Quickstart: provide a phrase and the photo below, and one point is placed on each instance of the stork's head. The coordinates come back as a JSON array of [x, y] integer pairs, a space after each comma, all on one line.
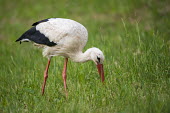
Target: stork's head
[[98, 58]]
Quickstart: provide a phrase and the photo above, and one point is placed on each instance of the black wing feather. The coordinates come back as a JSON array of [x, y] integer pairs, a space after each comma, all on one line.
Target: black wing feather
[[37, 37], [36, 23]]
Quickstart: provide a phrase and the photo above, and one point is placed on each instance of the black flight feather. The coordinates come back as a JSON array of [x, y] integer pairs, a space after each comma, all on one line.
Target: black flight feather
[[36, 23], [37, 37]]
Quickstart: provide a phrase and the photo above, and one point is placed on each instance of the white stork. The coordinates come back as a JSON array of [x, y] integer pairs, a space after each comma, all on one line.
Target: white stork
[[63, 37]]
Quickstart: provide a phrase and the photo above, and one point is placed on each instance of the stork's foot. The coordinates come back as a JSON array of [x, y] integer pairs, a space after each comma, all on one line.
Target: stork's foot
[[66, 94]]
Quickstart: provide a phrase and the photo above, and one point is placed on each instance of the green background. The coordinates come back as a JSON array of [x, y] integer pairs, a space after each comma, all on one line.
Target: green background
[[133, 35]]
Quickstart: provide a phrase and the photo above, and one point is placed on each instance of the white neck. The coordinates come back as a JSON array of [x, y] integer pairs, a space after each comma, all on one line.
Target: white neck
[[82, 57]]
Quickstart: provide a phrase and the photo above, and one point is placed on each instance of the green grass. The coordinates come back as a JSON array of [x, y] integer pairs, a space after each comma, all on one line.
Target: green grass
[[134, 36]]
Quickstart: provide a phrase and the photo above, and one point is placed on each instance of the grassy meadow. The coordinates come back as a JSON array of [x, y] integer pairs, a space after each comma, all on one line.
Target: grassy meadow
[[134, 36]]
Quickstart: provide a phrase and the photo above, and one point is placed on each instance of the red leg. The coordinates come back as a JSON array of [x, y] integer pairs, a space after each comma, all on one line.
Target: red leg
[[45, 76], [65, 75]]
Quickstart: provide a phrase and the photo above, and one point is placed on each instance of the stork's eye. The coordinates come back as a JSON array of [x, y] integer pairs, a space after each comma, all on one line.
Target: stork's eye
[[98, 58]]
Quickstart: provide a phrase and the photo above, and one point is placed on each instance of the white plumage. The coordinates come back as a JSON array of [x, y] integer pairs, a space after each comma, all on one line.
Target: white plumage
[[70, 36], [63, 37]]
